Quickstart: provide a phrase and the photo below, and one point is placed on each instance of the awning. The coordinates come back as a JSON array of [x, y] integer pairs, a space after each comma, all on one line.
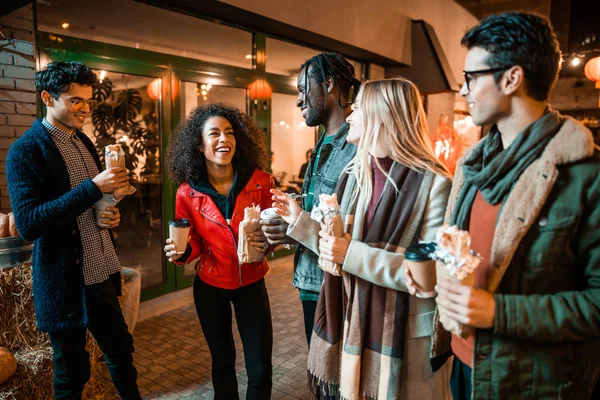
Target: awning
[[430, 70]]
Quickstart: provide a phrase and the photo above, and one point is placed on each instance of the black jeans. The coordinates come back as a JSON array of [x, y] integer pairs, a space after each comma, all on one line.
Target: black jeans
[[310, 308], [253, 316], [460, 380], [106, 323]]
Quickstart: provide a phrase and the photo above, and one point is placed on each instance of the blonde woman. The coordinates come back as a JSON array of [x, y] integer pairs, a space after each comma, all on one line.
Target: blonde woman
[[372, 336]]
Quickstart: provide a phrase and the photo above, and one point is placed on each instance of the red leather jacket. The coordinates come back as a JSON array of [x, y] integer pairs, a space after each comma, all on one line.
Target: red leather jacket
[[214, 242]]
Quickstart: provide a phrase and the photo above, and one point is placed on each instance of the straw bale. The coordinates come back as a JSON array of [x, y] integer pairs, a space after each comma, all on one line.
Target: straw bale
[[31, 348]]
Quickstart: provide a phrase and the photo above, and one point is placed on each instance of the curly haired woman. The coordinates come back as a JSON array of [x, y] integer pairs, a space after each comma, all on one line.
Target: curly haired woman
[[217, 155]]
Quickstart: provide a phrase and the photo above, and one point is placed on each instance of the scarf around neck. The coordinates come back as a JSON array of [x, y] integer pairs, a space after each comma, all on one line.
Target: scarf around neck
[[360, 327], [493, 170]]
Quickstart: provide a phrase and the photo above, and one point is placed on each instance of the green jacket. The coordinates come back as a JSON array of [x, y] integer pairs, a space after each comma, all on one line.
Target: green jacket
[[545, 276]]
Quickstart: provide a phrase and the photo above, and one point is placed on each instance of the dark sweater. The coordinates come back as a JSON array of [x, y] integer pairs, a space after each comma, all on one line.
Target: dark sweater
[[46, 210]]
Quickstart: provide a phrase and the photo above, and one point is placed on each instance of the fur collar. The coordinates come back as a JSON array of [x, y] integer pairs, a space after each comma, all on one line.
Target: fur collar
[[572, 143]]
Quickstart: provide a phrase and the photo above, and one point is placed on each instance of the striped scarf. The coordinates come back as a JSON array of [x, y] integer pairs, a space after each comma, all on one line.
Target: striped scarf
[[358, 341]]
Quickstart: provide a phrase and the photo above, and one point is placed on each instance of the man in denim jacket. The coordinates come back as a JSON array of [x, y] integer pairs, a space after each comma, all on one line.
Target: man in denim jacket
[[326, 89]]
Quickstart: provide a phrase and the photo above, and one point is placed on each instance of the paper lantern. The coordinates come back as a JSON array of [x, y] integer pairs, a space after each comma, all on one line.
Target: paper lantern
[[154, 89], [592, 69], [260, 89]]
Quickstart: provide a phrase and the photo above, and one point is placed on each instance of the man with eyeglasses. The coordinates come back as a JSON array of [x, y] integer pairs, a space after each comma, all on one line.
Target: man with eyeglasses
[[529, 195], [54, 179]]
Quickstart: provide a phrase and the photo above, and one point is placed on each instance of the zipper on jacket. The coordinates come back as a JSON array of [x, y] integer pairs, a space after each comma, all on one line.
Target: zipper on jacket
[[203, 262], [211, 260], [234, 242]]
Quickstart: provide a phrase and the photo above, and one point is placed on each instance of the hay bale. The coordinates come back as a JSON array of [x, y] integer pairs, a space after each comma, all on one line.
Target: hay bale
[[31, 348]]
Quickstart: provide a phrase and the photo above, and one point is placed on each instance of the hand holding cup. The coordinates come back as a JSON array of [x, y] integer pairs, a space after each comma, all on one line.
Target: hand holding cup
[[419, 270], [105, 212], [179, 237], [170, 250], [110, 218]]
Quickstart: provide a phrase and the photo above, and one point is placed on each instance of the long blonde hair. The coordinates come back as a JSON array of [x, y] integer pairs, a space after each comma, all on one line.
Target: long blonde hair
[[392, 111]]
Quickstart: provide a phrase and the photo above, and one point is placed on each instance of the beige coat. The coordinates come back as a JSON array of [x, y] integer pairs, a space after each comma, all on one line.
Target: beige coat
[[383, 268]]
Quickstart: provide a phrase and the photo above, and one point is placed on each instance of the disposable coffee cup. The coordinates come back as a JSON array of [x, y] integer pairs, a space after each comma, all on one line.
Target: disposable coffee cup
[[107, 201], [269, 214], [179, 231], [422, 268]]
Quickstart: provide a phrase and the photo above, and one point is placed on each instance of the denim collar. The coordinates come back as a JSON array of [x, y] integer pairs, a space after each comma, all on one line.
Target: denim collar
[[339, 141]]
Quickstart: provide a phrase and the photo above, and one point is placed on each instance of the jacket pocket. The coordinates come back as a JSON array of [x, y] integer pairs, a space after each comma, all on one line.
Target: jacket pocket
[[554, 369], [551, 236], [207, 261], [559, 217]]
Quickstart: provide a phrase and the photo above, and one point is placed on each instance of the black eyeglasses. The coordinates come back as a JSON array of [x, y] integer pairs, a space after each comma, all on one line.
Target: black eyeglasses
[[469, 74]]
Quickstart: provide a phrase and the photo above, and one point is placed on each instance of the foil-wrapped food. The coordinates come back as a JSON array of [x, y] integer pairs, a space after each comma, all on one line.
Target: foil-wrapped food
[[329, 215], [457, 262], [454, 250]]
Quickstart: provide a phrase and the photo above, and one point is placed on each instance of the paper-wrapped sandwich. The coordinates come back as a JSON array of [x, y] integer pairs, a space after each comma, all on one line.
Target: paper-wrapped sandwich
[[457, 263], [115, 157], [250, 224], [329, 215]]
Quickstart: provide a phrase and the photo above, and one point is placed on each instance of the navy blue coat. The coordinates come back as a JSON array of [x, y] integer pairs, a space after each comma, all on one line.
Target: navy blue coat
[[46, 211]]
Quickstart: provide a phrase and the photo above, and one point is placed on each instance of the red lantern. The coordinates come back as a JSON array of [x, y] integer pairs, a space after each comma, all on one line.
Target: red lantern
[[260, 89], [154, 89], [592, 69]]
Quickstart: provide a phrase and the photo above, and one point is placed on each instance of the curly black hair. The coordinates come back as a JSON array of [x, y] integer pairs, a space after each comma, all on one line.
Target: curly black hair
[[516, 38], [185, 161], [57, 77]]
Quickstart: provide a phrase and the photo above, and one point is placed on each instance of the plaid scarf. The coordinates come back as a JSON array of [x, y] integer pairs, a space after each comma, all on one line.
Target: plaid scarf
[[358, 341]]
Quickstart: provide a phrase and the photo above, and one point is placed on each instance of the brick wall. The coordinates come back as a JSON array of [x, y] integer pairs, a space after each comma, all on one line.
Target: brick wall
[[17, 90]]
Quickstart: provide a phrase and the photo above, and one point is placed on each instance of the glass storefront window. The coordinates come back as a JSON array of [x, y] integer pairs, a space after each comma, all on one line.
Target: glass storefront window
[[196, 94], [128, 114], [138, 25], [290, 140]]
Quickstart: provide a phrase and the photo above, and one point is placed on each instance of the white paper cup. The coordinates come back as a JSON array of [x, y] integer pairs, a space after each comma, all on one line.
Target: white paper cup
[[179, 231], [269, 214], [107, 201]]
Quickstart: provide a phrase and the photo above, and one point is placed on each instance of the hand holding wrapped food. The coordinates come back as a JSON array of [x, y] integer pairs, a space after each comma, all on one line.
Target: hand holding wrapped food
[[329, 215], [115, 157], [457, 263]]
